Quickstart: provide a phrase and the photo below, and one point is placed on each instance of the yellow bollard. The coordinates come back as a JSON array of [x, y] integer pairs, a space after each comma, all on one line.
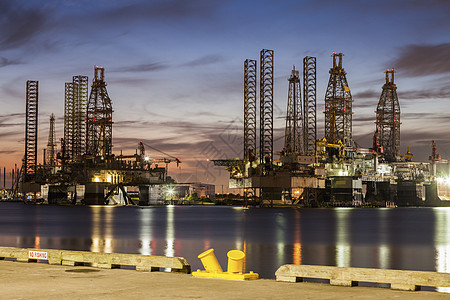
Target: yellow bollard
[[210, 262], [235, 266], [235, 261]]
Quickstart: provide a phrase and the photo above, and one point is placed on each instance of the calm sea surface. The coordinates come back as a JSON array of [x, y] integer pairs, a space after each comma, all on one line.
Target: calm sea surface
[[393, 238]]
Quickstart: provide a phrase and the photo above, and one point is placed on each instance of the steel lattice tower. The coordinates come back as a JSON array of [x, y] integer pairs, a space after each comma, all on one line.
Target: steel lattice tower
[[293, 133], [309, 106], [266, 109], [80, 97], [249, 110], [51, 145], [388, 118], [31, 129], [338, 105], [99, 117], [68, 119]]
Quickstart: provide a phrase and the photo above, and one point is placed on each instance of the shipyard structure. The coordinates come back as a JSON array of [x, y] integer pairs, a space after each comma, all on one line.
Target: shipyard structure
[[333, 170], [84, 169]]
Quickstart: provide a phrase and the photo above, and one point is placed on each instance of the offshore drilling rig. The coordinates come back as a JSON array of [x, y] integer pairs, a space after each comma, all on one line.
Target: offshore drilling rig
[[85, 170], [334, 170]]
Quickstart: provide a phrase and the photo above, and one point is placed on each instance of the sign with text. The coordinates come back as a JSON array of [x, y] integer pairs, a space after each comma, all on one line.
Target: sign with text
[[37, 255]]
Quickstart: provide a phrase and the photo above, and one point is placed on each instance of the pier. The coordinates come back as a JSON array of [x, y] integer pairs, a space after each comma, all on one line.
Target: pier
[[82, 274], [44, 281]]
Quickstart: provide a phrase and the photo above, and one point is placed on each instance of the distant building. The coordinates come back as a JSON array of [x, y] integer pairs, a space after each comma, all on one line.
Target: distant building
[[202, 189]]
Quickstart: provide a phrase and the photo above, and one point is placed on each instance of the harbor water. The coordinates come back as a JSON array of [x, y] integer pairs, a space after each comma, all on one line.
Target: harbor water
[[391, 238]]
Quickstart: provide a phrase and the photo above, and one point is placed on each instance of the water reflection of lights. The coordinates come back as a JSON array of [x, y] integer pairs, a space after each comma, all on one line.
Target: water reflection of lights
[[239, 208], [37, 239], [384, 251], [170, 232], [102, 220], [280, 237], [238, 245], [37, 242], [384, 254], [207, 245], [297, 254], [239, 229], [145, 231], [343, 249], [241, 244], [243, 248], [442, 242], [297, 251]]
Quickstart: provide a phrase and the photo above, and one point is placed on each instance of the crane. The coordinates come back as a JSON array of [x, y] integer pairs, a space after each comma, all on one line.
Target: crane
[[167, 160]]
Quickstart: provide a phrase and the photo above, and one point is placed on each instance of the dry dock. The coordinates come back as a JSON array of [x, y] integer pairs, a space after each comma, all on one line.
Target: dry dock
[[43, 281]]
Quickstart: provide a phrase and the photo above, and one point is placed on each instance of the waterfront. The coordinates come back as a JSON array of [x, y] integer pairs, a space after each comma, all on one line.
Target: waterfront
[[395, 238]]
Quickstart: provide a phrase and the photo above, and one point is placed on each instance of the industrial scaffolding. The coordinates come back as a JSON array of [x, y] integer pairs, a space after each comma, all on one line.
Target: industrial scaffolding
[[331, 171], [74, 177], [31, 129], [249, 110], [293, 130], [50, 157], [309, 106], [99, 117], [266, 110], [75, 110], [80, 96], [68, 120], [388, 118], [338, 105]]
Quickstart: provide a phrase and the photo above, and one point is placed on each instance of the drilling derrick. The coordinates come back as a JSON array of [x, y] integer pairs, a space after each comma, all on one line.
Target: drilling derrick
[[388, 118], [141, 148], [434, 158], [293, 136], [338, 105], [51, 145], [31, 129], [68, 119], [249, 110], [309, 106], [266, 110], [80, 96], [99, 117]]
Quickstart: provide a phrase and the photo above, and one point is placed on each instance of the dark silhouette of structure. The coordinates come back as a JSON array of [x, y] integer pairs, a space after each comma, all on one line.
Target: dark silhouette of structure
[[388, 119], [31, 129], [338, 105], [266, 110], [250, 110], [99, 117], [51, 145], [293, 131], [309, 106]]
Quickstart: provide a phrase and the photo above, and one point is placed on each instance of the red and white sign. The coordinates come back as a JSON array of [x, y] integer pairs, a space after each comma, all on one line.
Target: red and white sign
[[37, 255]]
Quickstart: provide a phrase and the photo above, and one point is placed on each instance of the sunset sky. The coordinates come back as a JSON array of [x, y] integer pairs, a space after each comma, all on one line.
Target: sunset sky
[[174, 69]]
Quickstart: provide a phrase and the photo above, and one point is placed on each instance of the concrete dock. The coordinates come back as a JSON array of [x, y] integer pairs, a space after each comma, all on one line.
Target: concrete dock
[[43, 281]]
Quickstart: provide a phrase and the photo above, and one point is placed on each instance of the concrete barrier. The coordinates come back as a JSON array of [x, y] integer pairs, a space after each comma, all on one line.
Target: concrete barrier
[[31, 255], [96, 259], [115, 260], [398, 279]]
